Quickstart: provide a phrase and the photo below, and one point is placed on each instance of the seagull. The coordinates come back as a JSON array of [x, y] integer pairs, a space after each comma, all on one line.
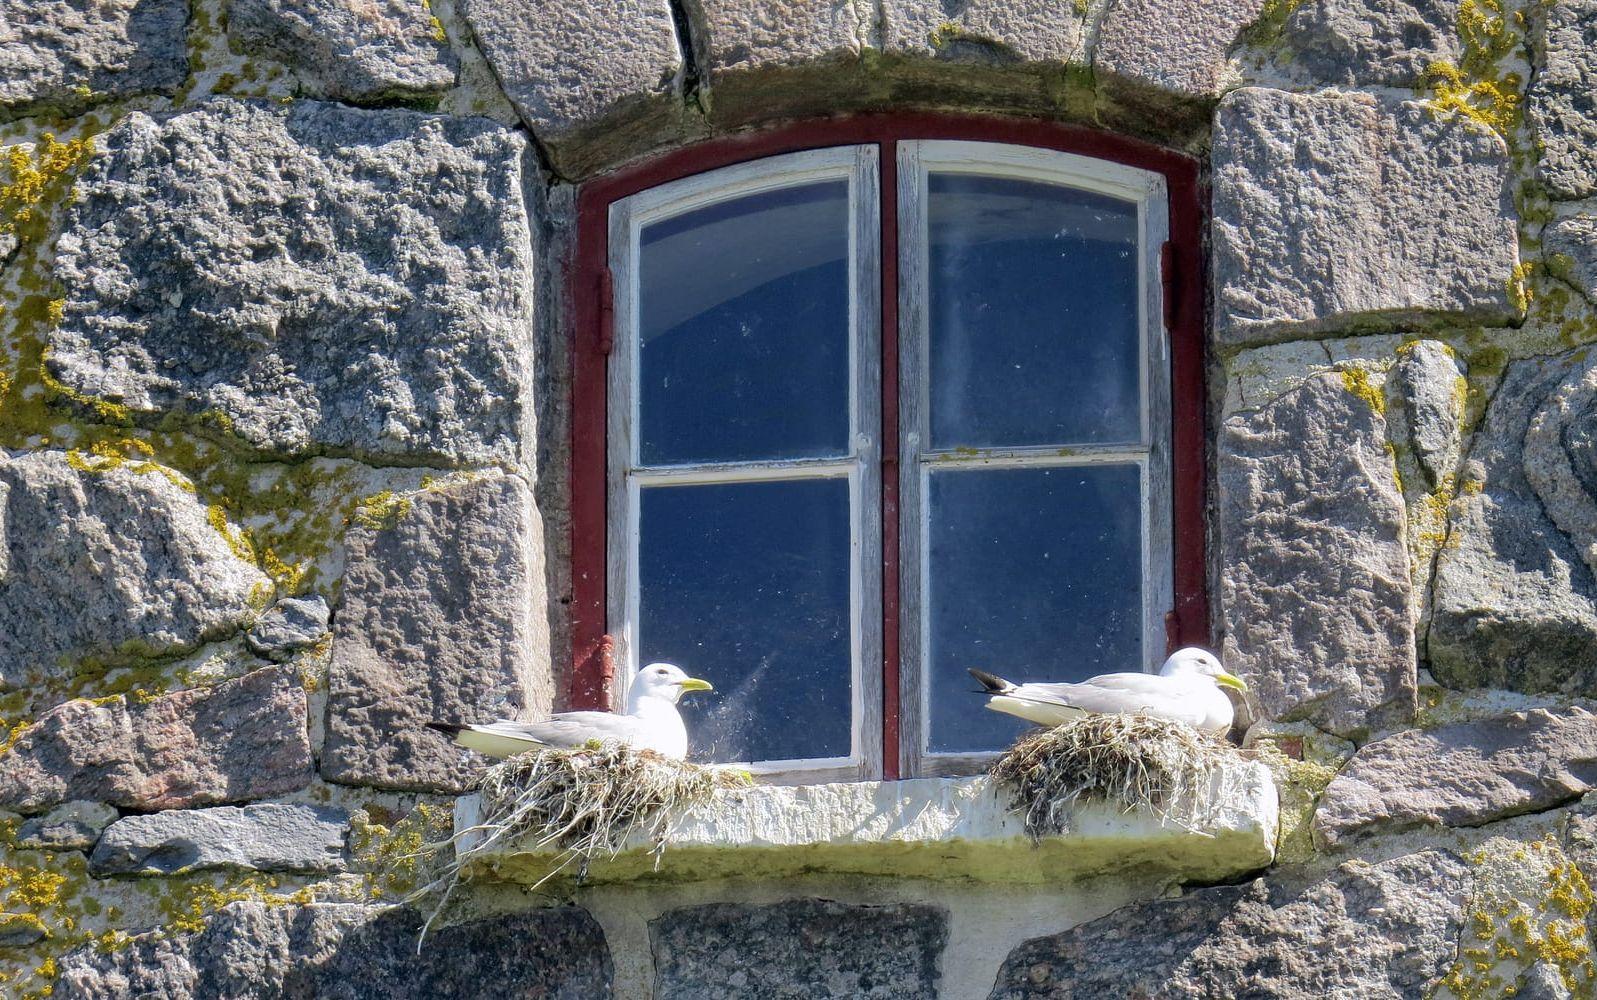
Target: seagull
[[651, 721], [1186, 689]]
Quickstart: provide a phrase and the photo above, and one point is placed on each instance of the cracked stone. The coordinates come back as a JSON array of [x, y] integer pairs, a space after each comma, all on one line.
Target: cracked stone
[[359, 51], [1308, 192], [267, 837], [1463, 775], [345, 951], [1315, 590], [108, 559], [242, 739], [1373, 932], [331, 279], [1515, 592], [815, 948], [290, 625], [60, 56], [443, 618], [1428, 384], [74, 826]]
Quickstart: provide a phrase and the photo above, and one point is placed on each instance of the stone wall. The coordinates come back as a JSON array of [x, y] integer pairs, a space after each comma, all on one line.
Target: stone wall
[[282, 474]]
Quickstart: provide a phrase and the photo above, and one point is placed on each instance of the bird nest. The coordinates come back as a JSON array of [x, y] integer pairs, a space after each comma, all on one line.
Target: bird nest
[[582, 805], [1128, 761]]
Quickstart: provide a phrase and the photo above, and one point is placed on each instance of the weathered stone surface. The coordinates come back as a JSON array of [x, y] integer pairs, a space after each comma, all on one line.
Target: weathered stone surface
[[754, 34], [1570, 248], [362, 51], [290, 625], [63, 55], [98, 561], [1334, 211], [1428, 388], [1559, 101], [74, 826], [802, 947], [986, 31], [582, 73], [1467, 774], [443, 618], [324, 278], [268, 837], [1515, 597], [1363, 42], [344, 951], [1365, 932], [1314, 583], [1174, 46], [242, 739]]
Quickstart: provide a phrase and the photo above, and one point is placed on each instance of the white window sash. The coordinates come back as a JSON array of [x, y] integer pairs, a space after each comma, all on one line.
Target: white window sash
[[626, 475], [1151, 454]]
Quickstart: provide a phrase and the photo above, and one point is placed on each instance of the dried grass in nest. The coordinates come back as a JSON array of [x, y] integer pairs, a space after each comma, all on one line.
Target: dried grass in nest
[[1130, 761], [583, 804]]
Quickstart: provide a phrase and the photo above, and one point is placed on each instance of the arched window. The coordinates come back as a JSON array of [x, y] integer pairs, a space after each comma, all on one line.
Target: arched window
[[859, 405]]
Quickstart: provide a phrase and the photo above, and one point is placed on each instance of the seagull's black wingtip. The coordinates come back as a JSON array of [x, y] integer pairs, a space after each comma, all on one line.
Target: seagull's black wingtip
[[447, 728], [991, 683]]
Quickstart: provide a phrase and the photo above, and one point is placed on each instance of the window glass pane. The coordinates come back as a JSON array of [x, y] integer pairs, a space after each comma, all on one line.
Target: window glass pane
[[744, 324], [747, 586], [1035, 575], [1033, 314]]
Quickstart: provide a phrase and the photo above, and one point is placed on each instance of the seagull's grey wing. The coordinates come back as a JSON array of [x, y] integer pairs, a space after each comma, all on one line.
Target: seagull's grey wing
[[574, 729], [1113, 693]]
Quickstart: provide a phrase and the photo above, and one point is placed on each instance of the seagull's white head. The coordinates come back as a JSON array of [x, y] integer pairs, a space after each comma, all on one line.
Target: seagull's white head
[[1193, 660], [663, 680]]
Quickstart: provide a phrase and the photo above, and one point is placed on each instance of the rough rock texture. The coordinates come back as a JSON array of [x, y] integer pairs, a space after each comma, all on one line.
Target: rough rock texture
[[1467, 774], [268, 837], [1365, 932], [581, 74], [344, 951], [74, 826], [1314, 582], [814, 948], [1427, 387], [93, 563], [1175, 46], [1558, 102], [986, 31], [753, 34], [1515, 595], [331, 278], [1570, 247], [443, 618], [63, 55], [242, 739], [1311, 192], [290, 625], [1382, 42], [360, 51]]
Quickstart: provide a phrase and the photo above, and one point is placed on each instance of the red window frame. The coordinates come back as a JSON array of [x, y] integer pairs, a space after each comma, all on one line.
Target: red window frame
[[592, 337]]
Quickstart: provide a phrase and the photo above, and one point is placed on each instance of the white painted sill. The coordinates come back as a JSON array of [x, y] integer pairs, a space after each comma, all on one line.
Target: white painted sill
[[928, 828]]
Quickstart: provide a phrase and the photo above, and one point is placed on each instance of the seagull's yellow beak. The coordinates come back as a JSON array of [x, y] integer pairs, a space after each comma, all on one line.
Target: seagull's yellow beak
[[1230, 680], [694, 684]]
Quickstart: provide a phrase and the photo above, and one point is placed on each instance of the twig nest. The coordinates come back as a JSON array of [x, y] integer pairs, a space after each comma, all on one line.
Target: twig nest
[[1128, 761], [580, 805]]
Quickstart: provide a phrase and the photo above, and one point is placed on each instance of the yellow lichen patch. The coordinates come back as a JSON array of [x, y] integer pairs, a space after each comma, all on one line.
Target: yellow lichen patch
[[1358, 382], [1476, 86], [1530, 905], [381, 510], [1520, 291], [31, 179], [390, 851]]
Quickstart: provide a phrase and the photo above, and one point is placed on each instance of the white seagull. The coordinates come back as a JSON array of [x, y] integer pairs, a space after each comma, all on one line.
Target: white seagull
[[651, 721], [1186, 689]]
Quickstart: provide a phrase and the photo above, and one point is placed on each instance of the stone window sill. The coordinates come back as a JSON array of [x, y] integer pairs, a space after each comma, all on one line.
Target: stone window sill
[[934, 828]]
